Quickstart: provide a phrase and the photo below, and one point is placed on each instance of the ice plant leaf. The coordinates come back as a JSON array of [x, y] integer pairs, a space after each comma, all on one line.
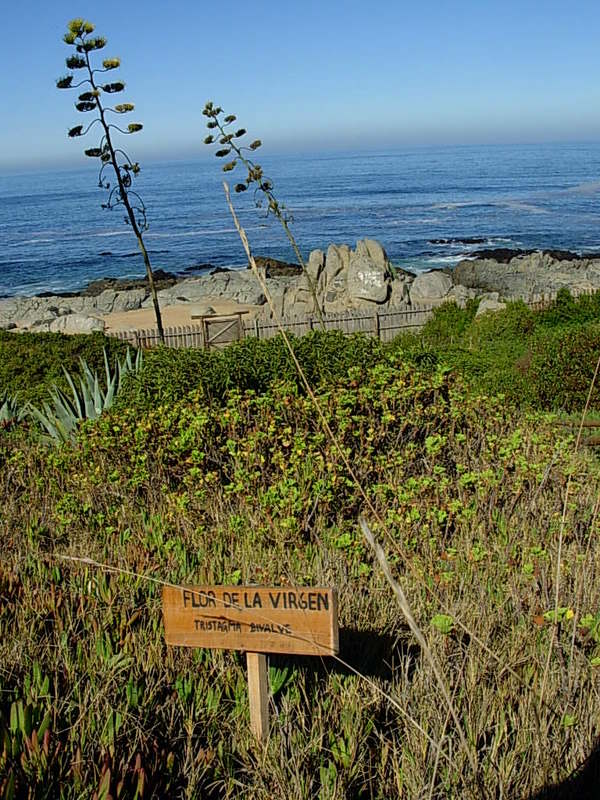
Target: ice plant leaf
[[443, 622]]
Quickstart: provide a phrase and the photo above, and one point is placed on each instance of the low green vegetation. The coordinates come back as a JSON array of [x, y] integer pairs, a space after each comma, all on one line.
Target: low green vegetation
[[537, 359], [31, 363], [214, 468], [169, 375]]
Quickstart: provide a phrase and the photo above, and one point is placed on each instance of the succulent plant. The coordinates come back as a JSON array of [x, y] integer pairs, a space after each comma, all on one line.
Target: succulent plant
[[228, 137], [11, 410], [88, 400], [120, 193]]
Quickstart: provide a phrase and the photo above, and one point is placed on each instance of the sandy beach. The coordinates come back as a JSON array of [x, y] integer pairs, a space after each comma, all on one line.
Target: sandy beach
[[174, 315]]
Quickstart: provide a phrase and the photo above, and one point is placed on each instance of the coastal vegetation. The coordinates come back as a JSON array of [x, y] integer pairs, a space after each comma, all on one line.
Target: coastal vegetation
[[440, 481], [79, 36], [212, 467]]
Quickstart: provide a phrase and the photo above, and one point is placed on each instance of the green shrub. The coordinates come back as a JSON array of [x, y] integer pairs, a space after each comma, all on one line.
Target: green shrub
[[168, 375], [560, 365], [30, 363], [567, 310], [544, 358], [449, 323]]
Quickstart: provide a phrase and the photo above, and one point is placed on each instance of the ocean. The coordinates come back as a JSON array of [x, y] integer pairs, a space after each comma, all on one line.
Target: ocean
[[426, 205]]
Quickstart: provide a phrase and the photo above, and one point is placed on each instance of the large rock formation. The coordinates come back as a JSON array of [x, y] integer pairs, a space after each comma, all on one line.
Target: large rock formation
[[430, 288], [343, 279], [514, 273]]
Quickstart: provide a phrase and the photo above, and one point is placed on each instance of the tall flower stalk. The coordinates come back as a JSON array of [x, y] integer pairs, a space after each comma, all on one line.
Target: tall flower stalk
[[112, 157], [223, 133]]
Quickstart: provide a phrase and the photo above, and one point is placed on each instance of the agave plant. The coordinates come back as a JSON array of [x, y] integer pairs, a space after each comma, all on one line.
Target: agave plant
[[11, 410], [113, 159], [60, 417]]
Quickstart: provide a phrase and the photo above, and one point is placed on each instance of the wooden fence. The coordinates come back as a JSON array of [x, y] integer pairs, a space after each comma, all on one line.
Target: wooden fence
[[219, 331]]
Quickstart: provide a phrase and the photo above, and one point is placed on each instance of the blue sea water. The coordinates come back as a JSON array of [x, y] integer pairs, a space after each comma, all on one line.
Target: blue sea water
[[54, 235]]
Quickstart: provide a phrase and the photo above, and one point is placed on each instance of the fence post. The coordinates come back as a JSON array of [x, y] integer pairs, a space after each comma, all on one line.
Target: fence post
[[376, 325]]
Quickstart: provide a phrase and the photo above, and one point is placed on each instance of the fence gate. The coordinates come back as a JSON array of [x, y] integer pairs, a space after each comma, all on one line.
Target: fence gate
[[219, 331]]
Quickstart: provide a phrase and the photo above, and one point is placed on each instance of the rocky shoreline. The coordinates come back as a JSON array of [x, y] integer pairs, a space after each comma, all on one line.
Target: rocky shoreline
[[345, 279]]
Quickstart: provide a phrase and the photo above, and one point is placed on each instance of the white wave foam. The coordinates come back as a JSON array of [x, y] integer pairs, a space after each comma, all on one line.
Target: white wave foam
[[518, 205], [590, 187], [452, 206], [415, 221], [446, 259]]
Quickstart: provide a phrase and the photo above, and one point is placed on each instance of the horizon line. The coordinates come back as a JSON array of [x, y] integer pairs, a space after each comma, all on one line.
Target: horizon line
[[68, 164]]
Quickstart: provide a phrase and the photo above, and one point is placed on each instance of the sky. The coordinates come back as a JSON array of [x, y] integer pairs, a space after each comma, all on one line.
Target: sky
[[308, 75]]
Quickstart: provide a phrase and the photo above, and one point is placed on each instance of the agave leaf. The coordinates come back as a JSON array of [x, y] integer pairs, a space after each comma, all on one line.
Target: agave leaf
[[111, 388], [76, 399], [11, 408], [98, 397], [66, 414], [106, 368], [88, 396], [45, 419]]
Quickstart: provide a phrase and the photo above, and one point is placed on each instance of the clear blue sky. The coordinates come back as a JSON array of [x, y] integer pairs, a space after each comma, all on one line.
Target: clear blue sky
[[303, 74]]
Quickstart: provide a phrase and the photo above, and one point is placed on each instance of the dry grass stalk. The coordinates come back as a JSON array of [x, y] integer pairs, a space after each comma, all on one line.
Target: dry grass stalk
[[378, 551], [418, 634], [562, 531]]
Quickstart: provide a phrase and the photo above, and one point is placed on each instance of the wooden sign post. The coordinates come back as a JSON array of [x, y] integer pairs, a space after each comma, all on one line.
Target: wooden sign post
[[258, 620]]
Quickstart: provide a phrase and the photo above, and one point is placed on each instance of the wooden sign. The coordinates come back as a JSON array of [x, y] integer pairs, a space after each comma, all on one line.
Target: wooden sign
[[258, 619]]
